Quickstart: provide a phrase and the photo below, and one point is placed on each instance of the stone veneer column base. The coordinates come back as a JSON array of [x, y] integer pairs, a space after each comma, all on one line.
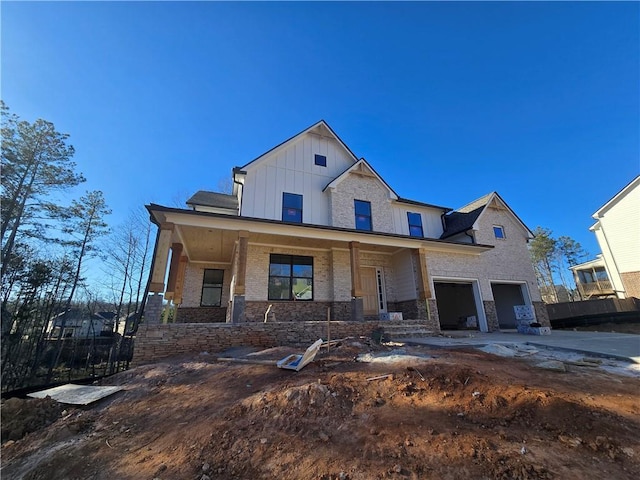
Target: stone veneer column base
[[492, 315], [357, 310], [542, 315], [433, 322], [153, 309], [237, 309]]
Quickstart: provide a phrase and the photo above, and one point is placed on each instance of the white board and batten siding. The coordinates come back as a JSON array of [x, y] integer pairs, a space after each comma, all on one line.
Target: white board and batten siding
[[431, 219], [404, 277], [621, 226], [292, 169]]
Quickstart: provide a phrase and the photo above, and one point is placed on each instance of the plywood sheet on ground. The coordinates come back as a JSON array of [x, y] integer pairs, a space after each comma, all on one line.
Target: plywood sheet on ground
[[76, 394]]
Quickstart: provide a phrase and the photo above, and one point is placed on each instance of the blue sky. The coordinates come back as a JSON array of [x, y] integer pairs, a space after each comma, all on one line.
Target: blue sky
[[448, 101]]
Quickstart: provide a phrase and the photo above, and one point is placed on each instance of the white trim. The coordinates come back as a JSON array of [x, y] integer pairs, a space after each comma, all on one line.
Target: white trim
[[477, 296], [495, 197], [618, 196], [381, 288], [334, 183], [526, 295]]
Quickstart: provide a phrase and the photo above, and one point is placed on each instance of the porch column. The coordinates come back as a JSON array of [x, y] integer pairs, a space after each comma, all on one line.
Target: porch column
[[357, 308], [161, 258], [427, 309], [176, 253], [424, 290], [182, 268], [239, 291]]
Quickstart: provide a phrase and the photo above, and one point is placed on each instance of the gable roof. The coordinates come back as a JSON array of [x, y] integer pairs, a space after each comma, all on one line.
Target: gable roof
[[214, 199], [361, 167], [321, 125], [617, 197], [465, 218]]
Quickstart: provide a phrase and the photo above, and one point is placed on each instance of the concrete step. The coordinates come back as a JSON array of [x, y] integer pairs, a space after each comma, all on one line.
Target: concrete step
[[395, 331]]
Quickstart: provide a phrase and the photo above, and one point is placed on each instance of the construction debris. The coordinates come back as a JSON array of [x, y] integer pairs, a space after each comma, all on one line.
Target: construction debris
[[76, 394]]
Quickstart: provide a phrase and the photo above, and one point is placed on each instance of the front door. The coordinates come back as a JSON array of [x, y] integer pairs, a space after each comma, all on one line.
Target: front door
[[373, 298], [370, 290]]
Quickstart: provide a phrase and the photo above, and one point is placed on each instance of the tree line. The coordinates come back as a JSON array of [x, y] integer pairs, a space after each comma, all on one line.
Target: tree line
[[46, 245], [552, 259]]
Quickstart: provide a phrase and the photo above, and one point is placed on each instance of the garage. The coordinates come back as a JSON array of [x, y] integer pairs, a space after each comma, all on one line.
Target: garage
[[456, 305], [506, 296]]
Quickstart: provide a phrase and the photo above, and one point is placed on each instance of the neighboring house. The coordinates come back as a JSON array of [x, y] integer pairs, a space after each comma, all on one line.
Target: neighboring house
[[592, 280], [78, 324], [617, 230], [310, 228]]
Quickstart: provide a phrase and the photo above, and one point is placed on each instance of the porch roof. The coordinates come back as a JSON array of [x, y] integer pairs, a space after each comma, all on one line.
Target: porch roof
[[211, 236]]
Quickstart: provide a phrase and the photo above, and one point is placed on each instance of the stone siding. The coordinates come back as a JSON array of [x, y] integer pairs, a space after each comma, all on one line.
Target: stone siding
[[417, 309], [297, 311], [631, 282], [154, 342], [201, 315], [492, 315], [542, 314]]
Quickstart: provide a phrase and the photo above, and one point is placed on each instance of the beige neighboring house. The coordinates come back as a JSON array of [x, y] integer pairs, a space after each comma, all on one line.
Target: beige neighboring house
[[617, 230], [311, 228]]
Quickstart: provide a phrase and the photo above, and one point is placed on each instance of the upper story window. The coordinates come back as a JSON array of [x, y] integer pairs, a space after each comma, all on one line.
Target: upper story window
[[212, 288], [363, 215], [290, 277], [291, 207], [415, 224], [321, 160], [498, 231]]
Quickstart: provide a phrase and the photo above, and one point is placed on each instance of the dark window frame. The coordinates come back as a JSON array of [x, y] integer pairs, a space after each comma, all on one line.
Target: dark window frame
[[414, 225], [320, 160], [211, 286], [278, 272], [292, 202], [363, 215]]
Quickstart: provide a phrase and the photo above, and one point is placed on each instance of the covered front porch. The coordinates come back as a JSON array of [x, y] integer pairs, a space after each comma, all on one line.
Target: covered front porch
[[220, 268]]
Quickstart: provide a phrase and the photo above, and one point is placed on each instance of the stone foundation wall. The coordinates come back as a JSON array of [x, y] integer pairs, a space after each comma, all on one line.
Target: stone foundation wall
[[631, 282], [492, 315], [153, 342], [201, 315], [296, 311]]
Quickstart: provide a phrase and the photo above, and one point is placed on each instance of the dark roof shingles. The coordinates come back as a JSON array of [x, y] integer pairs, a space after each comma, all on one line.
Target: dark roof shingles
[[213, 199]]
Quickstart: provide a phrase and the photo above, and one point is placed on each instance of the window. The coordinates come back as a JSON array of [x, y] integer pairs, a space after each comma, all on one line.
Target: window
[[212, 288], [320, 160], [363, 215], [498, 231], [415, 224], [291, 207], [290, 277]]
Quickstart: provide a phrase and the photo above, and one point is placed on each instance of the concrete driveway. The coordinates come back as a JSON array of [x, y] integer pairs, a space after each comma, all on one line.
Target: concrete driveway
[[621, 346]]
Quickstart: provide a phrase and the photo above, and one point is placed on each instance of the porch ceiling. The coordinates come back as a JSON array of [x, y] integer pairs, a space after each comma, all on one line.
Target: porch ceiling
[[207, 244], [215, 245]]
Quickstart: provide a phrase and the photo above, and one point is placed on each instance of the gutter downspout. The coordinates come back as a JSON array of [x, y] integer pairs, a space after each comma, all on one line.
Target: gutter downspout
[[241, 186]]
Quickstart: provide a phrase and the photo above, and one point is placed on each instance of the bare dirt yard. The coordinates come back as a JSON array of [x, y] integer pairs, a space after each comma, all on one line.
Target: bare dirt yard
[[432, 414]]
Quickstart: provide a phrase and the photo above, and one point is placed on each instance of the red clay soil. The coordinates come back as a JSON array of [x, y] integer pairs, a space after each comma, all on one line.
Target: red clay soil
[[461, 414]]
